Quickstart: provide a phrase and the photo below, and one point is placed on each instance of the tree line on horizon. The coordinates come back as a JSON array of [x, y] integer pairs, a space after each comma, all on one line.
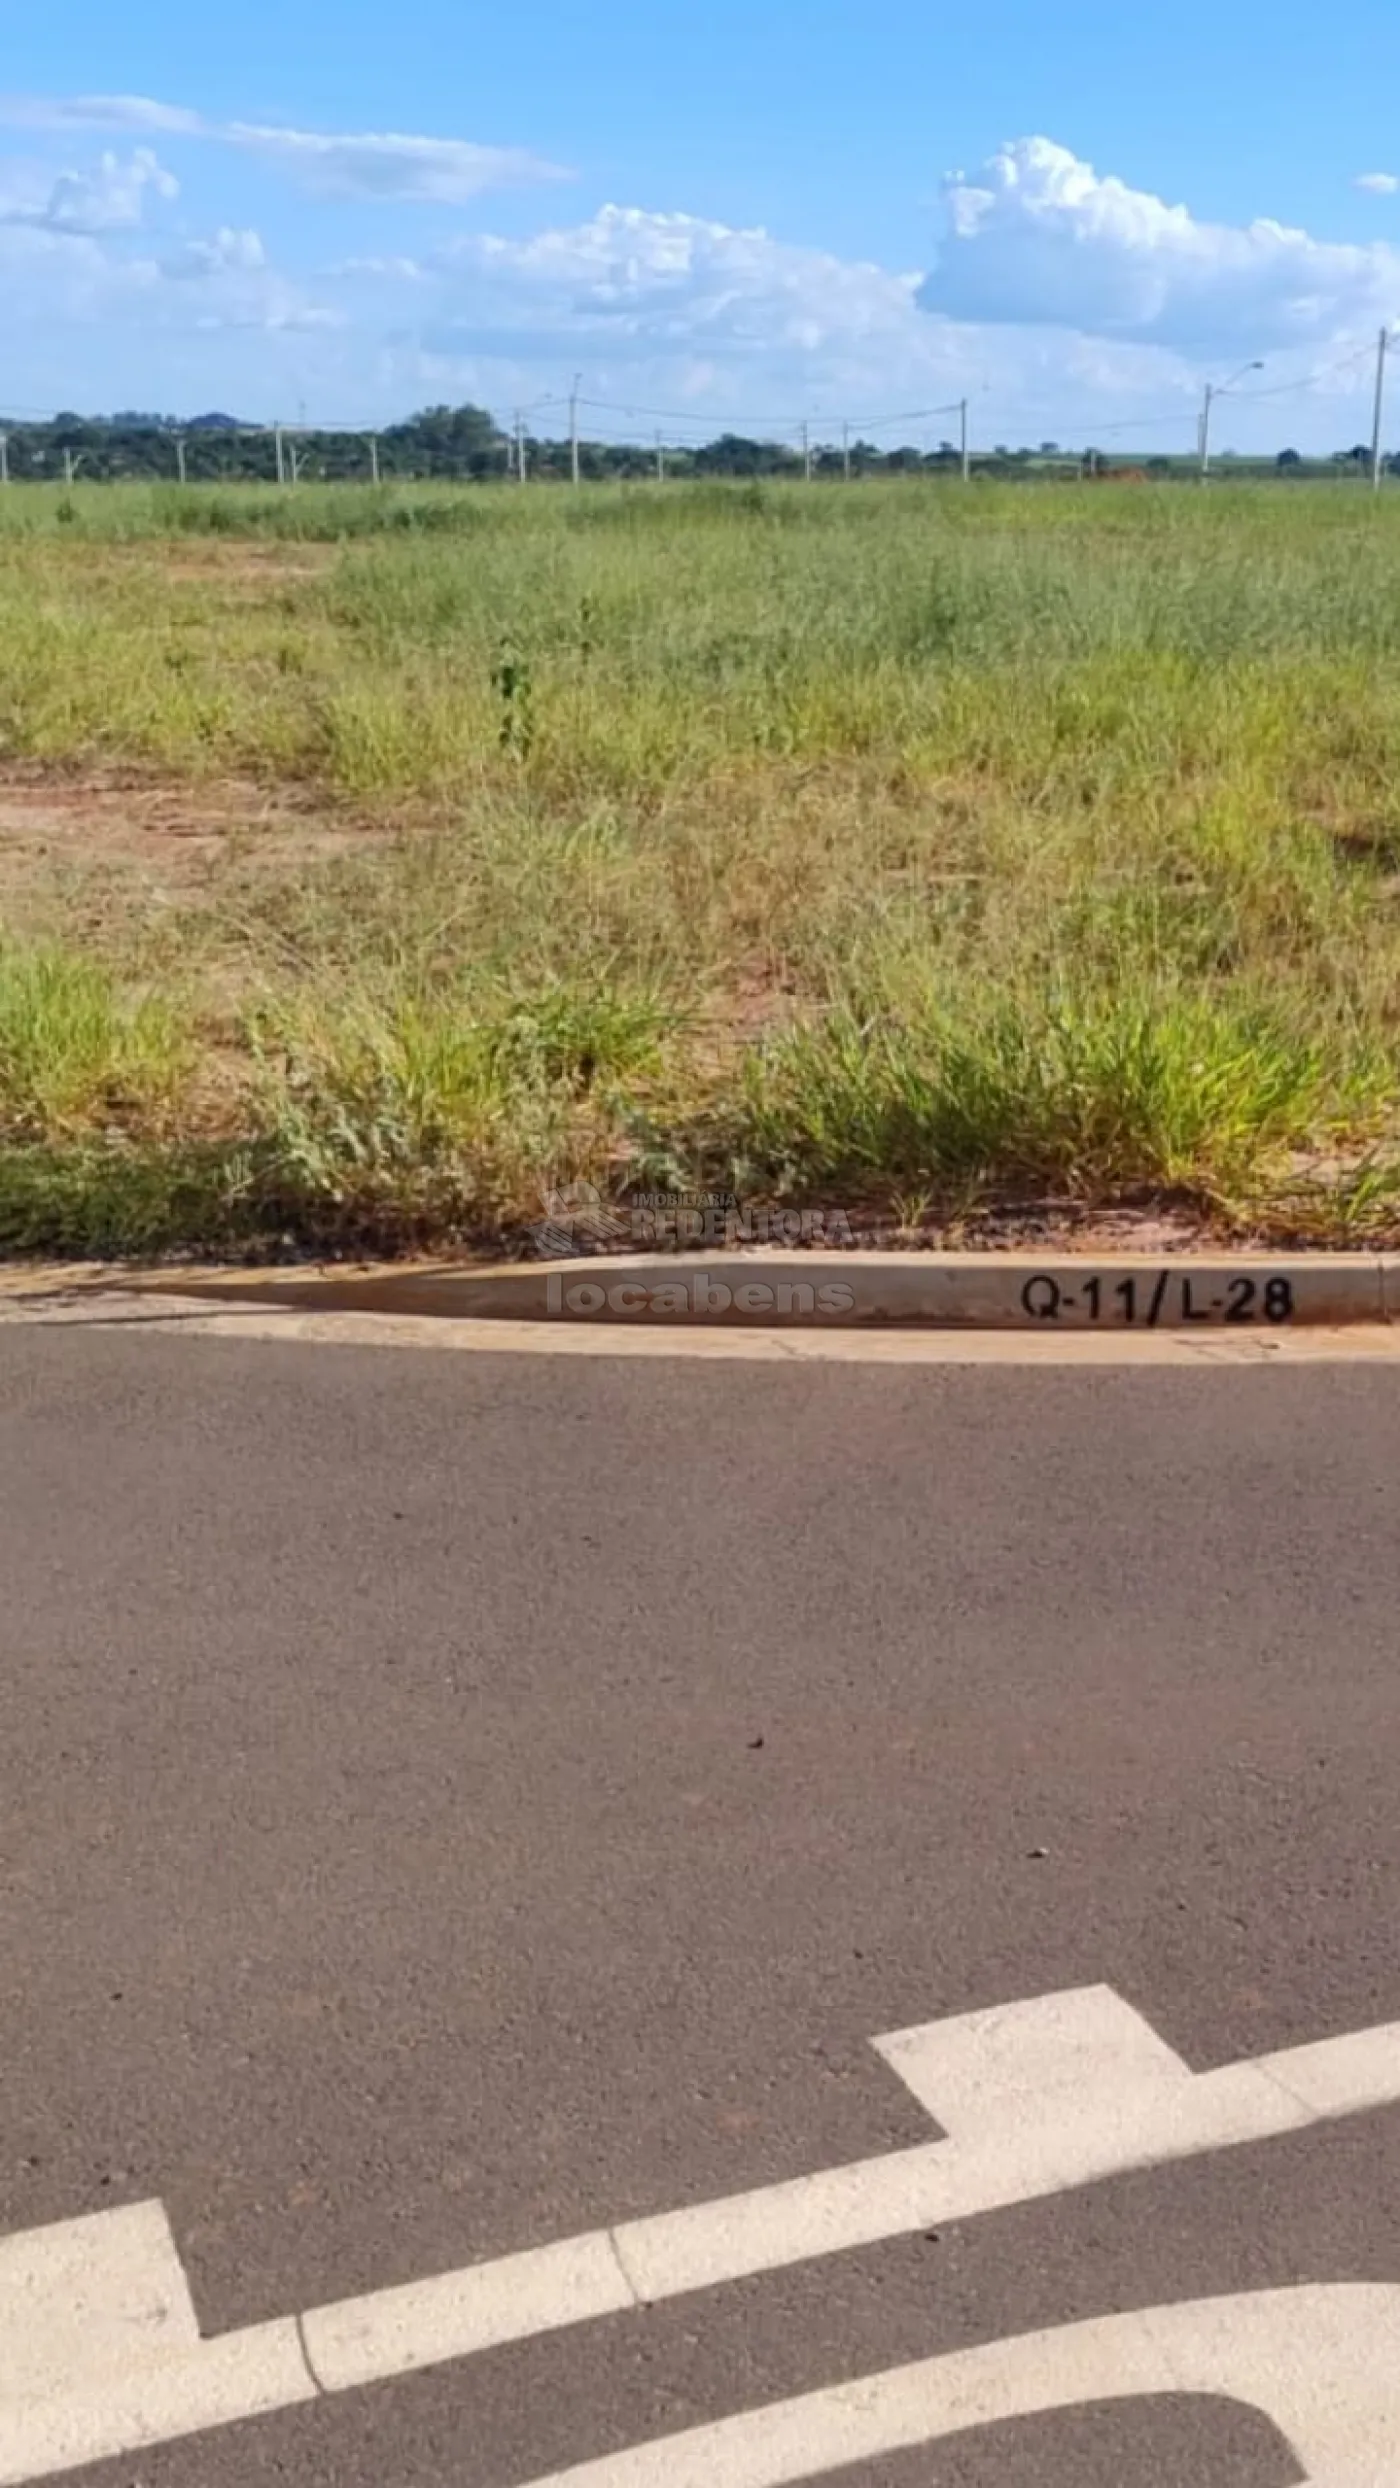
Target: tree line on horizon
[[466, 444]]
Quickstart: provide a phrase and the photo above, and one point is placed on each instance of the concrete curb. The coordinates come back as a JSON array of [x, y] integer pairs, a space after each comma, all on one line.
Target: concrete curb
[[845, 1290]]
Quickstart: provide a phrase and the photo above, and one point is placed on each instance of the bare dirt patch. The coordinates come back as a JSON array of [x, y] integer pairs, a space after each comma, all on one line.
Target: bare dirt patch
[[251, 565], [56, 828]]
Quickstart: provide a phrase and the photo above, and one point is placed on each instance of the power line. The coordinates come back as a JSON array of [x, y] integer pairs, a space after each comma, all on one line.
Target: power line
[[1292, 388], [1141, 423], [785, 422], [917, 414], [815, 439]]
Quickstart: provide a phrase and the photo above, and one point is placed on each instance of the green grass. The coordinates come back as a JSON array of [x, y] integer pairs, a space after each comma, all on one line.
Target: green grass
[[884, 843]]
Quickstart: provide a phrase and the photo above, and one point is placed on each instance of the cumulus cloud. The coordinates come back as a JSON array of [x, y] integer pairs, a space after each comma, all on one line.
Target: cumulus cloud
[[1383, 184], [96, 320], [231, 247], [112, 195], [629, 278], [1060, 302], [365, 165], [60, 280], [226, 280], [727, 325], [1040, 236], [57, 286]]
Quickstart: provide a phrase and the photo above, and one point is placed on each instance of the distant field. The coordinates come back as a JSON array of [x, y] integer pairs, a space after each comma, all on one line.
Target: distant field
[[370, 861]]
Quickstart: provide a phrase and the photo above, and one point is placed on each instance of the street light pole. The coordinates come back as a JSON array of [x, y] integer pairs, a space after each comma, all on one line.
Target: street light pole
[[1381, 353], [1212, 393]]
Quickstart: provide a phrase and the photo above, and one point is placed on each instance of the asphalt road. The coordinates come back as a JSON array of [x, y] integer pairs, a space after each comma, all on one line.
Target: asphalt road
[[450, 1803]]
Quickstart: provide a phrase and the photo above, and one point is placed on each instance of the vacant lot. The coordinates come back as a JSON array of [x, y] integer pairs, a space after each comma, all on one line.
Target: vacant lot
[[369, 862]]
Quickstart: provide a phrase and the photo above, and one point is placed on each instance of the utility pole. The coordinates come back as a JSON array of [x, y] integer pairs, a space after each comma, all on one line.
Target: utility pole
[[846, 451], [4, 457], [294, 462], [1381, 352], [660, 461], [68, 468], [1212, 393], [966, 460], [519, 447], [806, 453], [180, 457], [1203, 431], [374, 458], [573, 430], [281, 460]]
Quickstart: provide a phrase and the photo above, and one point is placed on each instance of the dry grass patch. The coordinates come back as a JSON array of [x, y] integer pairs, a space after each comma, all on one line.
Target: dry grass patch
[[912, 845]]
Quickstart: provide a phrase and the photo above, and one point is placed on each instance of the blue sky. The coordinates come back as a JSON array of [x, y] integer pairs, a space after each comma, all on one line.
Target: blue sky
[[818, 212]]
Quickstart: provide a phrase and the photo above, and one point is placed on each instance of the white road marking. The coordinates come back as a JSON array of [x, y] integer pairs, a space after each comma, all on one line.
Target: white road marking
[[1322, 2364], [86, 2294], [1034, 2098], [987, 2070], [425, 2322], [100, 2348], [99, 2345], [1335, 2077]]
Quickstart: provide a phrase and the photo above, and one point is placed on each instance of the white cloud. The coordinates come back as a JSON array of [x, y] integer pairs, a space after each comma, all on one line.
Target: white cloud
[[110, 195], [231, 247], [365, 165], [1383, 184], [97, 318], [226, 281], [100, 112], [1041, 236], [276, 316], [445, 171], [56, 284], [729, 325], [1060, 303], [25, 191], [393, 268], [631, 280], [114, 194], [93, 323]]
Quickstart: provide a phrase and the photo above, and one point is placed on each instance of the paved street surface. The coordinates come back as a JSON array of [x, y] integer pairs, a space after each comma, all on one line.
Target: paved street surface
[[454, 1804]]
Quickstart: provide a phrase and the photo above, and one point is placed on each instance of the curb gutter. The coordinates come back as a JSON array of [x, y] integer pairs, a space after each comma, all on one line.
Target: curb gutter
[[842, 1291]]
